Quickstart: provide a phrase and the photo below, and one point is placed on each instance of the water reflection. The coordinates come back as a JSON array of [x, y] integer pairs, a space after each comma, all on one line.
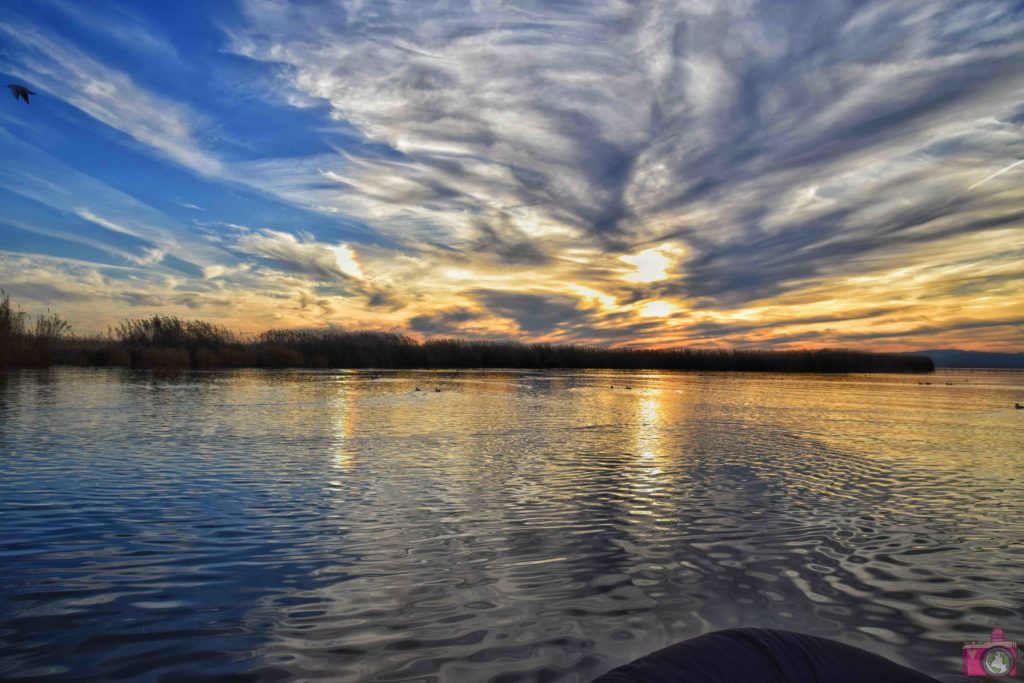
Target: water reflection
[[344, 424], [521, 525]]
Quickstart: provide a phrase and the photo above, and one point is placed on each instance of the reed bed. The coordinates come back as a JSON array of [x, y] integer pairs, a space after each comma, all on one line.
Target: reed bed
[[162, 342]]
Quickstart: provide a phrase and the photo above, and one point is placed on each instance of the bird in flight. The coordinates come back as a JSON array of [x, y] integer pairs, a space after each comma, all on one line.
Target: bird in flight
[[20, 91]]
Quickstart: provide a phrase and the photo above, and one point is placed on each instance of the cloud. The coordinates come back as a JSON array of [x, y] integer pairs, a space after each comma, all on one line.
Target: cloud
[[335, 269], [109, 225], [670, 172], [534, 314], [449, 322], [48, 197], [120, 25], [308, 256], [94, 296], [727, 127], [508, 246], [472, 128], [59, 70], [1005, 169]]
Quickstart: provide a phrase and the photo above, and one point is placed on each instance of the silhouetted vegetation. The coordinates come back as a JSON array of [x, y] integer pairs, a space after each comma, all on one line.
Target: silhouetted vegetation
[[26, 342], [168, 342]]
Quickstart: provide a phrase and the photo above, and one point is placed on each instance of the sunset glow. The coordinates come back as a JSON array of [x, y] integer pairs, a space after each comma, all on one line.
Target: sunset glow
[[651, 265], [775, 179]]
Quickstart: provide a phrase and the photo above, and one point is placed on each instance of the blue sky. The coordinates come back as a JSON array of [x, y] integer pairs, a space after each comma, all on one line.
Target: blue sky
[[691, 172]]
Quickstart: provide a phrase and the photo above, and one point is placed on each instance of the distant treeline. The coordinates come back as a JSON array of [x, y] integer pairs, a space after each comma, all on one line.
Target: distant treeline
[[168, 342]]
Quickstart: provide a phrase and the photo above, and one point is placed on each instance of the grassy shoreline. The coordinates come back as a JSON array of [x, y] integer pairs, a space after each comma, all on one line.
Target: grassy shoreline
[[171, 343]]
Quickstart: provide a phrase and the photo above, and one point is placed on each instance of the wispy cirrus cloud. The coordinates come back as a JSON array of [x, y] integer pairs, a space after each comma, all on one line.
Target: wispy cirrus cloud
[[695, 172], [107, 94], [728, 127]]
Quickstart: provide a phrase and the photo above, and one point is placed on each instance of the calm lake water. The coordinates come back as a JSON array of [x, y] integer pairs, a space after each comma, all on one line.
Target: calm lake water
[[516, 526]]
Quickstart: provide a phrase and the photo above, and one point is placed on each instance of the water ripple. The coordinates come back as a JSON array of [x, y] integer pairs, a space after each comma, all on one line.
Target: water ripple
[[516, 526]]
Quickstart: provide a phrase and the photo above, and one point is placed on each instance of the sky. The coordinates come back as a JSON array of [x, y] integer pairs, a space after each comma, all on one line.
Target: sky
[[703, 173]]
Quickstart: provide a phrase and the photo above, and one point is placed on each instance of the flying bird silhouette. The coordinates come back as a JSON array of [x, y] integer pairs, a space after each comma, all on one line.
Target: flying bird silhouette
[[20, 91]]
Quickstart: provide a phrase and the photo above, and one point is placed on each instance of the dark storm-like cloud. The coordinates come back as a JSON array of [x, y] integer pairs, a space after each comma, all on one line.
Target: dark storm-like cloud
[[507, 247], [535, 314], [444, 322]]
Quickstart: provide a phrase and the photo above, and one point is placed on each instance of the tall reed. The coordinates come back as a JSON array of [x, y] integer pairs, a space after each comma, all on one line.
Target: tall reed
[[24, 344]]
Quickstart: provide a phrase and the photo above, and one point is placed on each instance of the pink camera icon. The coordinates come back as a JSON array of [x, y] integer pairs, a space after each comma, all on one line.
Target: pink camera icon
[[996, 658]]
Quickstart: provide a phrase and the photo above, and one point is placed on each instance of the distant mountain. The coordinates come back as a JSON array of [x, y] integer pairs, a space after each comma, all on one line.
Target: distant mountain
[[955, 358]]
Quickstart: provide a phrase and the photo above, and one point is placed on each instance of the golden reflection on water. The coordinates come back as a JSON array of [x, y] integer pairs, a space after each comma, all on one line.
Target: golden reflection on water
[[514, 523], [647, 425], [345, 423], [649, 451]]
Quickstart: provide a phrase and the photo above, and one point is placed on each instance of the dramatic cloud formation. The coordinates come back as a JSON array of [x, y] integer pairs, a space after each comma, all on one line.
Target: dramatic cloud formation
[[702, 172]]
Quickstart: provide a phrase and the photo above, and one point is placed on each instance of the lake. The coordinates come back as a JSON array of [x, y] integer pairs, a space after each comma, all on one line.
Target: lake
[[515, 526]]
